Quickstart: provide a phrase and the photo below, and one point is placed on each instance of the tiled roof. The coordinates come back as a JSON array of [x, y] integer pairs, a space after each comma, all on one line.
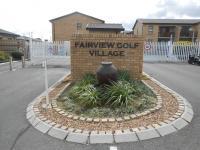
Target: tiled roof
[[76, 12], [7, 32], [167, 21], [105, 26], [171, 21]]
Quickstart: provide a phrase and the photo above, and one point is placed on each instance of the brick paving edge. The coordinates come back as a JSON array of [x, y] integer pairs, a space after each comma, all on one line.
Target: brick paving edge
[[171, 125]]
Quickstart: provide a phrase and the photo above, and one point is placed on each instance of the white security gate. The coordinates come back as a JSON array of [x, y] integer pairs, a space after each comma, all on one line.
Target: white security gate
[[56, 53], [170, 51]]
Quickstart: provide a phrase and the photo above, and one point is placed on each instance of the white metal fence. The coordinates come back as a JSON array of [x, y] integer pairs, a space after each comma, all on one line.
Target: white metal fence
[[170, 51], [56, 53]]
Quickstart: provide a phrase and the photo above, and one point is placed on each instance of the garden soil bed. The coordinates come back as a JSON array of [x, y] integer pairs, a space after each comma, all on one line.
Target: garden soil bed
[[169, 108]]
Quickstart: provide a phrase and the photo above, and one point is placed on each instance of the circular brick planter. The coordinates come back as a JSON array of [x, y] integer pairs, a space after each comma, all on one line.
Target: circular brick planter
[[119, 119], [179, 120]]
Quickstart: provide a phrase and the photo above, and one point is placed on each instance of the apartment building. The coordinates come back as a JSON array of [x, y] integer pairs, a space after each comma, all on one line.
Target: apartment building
[[6, 35], [166, 29], [63, 27]]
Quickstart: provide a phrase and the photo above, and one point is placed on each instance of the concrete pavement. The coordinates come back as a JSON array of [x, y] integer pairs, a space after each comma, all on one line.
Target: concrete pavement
[[19, 88]]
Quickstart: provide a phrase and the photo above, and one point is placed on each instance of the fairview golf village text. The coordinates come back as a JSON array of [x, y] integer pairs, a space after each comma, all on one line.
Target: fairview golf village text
[[107, 45]]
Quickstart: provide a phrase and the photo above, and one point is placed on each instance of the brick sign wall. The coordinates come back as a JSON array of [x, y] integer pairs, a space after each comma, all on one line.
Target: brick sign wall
[[89, 50]]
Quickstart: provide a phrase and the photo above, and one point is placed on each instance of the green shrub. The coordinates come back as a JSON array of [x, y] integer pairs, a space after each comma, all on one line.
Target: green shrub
[[90, 97], [120, 93], [85, 95], [123, 97], [17, 55], [3, 56], [123, 75], [89, 78], [76, 90]]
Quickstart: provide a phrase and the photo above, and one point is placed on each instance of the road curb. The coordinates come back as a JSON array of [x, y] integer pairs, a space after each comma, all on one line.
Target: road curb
[[181, 119], [8, 63]]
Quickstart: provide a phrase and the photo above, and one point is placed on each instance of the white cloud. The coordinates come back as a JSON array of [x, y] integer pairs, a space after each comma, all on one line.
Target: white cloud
[[177, 9], [25, 16]]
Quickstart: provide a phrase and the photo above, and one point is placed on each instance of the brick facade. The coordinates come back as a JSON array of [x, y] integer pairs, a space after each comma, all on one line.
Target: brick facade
[[153, 35], [83, 59], [63, 27], [141, 28]]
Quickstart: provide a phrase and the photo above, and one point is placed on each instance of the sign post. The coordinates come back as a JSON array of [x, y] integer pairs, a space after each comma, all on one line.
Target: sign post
[[23, 62], [47, 105], [11, 63]]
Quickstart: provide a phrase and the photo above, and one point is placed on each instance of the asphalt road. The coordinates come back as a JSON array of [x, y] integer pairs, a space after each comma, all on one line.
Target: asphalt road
[[19, 88], [5, 67]]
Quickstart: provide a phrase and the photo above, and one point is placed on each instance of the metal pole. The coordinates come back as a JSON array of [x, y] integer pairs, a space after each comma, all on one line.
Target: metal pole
[[11, 63], [48, 105], [31, 46], [170, 47], [23, 62]]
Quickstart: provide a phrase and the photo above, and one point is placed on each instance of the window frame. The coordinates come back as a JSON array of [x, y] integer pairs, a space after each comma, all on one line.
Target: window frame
[[150, 29], [79, 26]]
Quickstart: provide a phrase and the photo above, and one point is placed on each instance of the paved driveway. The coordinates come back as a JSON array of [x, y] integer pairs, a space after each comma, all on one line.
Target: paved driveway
[[18, 88]]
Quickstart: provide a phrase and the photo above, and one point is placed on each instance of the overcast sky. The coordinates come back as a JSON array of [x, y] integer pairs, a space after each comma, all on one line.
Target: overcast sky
[[25, 16]]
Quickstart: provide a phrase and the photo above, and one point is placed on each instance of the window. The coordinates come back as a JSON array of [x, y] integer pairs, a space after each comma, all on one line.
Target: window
[[150, 29], [79, 26], [165, 33], [187, 33]]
